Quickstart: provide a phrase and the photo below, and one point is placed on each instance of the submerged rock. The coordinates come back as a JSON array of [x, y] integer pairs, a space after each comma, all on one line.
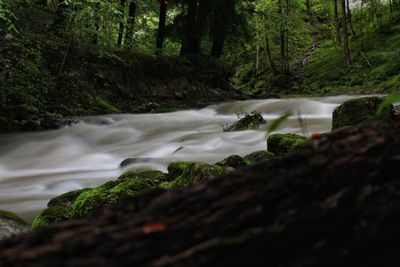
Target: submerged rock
[[11, 224], [248, 122], [130, 161], [283, 143], [257, 157], [355, 111]]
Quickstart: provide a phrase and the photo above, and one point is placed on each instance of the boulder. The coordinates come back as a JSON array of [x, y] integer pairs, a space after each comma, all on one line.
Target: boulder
[[280, 144], [257, 157], [250, 121], [11, 225], [77, 204], [184, 173], [360, 110], [233, 161]]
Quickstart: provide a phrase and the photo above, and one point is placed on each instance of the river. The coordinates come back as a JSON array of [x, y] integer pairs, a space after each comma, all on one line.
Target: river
[[34, 167]]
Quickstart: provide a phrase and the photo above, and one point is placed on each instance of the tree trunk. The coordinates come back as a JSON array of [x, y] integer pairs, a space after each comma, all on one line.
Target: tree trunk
[[346, 49], [161, 26], [95, 34], [282, 38], [121, 24], [349, 16], [269, 55], [218, 32], [191, 40], [337, 24], [131, 25]]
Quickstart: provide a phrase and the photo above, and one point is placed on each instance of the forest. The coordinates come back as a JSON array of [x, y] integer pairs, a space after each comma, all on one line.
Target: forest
[[199, 133]]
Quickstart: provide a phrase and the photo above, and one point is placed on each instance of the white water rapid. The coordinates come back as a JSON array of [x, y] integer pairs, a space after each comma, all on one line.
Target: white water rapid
[[34, 167]]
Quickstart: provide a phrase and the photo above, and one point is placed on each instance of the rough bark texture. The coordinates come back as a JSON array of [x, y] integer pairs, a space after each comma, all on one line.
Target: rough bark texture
[[335, 202]]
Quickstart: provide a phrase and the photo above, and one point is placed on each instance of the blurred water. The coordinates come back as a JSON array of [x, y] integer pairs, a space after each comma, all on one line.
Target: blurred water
[[34, 167]]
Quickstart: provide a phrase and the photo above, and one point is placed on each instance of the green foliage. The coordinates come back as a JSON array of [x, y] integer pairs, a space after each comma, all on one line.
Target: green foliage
[[388, 101], [7, 16], [105, 106]]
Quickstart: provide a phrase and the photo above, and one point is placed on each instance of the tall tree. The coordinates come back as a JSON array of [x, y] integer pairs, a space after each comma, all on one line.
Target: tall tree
[[192, 38], [130, 24], [161, 26], [121, 25], [337, 23], [223, 13], [346, 49]]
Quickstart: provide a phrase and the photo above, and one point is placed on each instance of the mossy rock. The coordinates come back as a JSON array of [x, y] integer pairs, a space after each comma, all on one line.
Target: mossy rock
[[156, 176], [257, 157], [283, 143], [66, 199], [360, 110], [12, 216], [175, 169], [53, 214], [233, 161], [79, 203], [199, 172], [11, 224], [250, 121]]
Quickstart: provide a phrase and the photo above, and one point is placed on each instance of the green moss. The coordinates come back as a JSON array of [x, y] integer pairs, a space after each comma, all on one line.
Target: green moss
[[156, 176], [175, 169], [79, 203], [12, 216], [199, 172], [233, 161], [54, 214], [283, 143], [100, 196], [257, 157], [355, 111]]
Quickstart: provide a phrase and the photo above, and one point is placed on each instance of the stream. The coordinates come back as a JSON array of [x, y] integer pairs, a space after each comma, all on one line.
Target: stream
[[35, 167]]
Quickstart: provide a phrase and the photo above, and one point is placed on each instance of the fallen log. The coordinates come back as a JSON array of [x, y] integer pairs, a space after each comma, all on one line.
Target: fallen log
[[334, 202]]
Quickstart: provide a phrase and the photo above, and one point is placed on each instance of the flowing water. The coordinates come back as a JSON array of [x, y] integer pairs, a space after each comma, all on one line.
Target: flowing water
[[34, 167]]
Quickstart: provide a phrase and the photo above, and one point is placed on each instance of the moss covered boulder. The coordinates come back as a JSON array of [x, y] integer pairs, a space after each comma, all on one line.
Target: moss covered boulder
[[11, 224], [355, 111], [234, 161], [77, 204], [189, 172], [250, 121], [257, 157], [280, 144]]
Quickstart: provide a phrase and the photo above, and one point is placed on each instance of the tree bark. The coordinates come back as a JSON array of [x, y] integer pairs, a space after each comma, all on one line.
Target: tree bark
[[191, 40], [346, 49], [337, 23], [282, 39], [121, 24], [130, 25], [269, 55], [161, 26]]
